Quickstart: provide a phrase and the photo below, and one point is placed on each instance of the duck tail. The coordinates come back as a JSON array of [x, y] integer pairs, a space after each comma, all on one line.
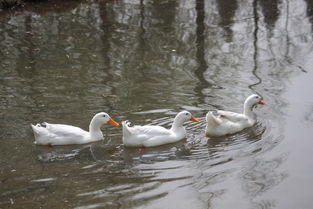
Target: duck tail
[[126, 128], [211, 119], [38, 130], [35, 128]]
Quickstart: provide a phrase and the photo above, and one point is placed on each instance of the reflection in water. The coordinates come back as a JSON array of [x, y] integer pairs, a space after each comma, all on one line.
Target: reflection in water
[[261, 176], [255, 43], [200, 47], [271, 13], [309, 10], [106, 32], [144, 61], [27, 69], [226, 10]]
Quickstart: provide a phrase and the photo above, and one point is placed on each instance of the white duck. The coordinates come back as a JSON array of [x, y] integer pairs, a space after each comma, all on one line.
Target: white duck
[[59, 134], [221, 123], [152, 135]]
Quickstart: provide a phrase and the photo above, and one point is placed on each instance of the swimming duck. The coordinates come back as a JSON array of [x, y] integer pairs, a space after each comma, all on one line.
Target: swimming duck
[[59, 134], [152, 135], [221, 123]]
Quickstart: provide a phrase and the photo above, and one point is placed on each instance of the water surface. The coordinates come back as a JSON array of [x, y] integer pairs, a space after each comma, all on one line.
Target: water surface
[[145, 61]]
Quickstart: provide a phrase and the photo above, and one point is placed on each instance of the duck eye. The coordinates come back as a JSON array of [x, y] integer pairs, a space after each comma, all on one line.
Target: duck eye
[[186, 114], [104, 115]]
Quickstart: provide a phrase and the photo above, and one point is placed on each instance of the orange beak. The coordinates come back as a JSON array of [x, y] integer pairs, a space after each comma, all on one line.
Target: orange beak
[[194, 119], [262, 102], [113, 123]]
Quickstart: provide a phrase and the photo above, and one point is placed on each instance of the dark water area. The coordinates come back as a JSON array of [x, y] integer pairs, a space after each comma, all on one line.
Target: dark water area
[[144, 61]]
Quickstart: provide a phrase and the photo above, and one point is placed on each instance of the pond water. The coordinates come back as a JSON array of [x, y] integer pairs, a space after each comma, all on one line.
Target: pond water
[[144, 61]]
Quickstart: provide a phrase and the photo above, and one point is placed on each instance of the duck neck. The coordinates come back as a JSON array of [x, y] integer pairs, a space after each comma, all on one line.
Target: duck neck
[[247, 111], [95, 131], [177, 124]]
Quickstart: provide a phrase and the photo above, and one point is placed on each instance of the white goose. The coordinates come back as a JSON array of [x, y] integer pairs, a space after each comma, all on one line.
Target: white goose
[[59, 134], [151, 135], [221, 123]]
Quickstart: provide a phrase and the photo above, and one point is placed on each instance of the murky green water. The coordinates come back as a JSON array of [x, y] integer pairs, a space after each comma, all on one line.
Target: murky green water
[[144, 61]]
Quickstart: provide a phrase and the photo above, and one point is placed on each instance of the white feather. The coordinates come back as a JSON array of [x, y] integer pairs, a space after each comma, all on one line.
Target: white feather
[[226, 122], [60, 134], [150, 136]]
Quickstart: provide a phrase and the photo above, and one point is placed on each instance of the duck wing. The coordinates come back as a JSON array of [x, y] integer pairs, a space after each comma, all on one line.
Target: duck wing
[[65, 130], [231, 116], [58, 134], [151, 130]]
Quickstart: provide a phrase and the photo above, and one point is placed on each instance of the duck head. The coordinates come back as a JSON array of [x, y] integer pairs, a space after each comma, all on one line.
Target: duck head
[[182, 117], [104, 118], [252, 101]]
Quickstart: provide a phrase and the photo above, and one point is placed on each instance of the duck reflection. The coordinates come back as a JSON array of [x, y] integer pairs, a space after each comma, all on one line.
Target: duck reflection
[[59, 153], [241, 144]]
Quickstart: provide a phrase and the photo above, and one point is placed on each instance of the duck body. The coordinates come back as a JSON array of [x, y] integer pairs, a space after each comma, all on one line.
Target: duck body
[[221, 122], [150, 135], [61, 134]]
